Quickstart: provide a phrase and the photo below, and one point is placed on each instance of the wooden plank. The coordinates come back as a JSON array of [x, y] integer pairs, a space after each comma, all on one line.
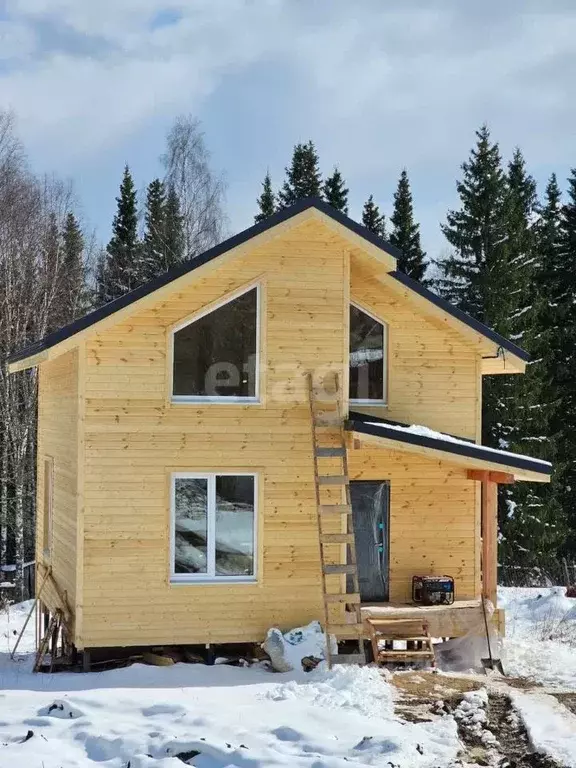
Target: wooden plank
[[337, 538], [490, 541], [335, 509], [483, 475], [345, 630], [334, 569], [349, 597], [332, 480], [323, 453]]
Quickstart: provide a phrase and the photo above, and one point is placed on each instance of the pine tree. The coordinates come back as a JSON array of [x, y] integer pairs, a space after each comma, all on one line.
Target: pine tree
[[477, 233], [303, 178], [174, 230], [528, 534], [335, 193], [405, 233], [562, 363], [152, 261], [372, 219], [74, 295], [119, 273], [267, 201], [476, 277]]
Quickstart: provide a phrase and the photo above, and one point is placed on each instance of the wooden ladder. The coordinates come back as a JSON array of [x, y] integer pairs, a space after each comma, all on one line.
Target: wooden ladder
[[413, 633], [327, 413]]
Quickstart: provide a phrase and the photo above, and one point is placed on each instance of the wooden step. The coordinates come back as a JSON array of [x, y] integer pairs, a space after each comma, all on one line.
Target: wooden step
[[329, 570], [324, 453], [335, 509], [352, 597], [337, 538], [332, 480], [383, 655], [345, 631], [348, 658], [325, 404]]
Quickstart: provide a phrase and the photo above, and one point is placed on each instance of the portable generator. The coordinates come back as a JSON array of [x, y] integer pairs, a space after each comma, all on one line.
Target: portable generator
[[433, 590]]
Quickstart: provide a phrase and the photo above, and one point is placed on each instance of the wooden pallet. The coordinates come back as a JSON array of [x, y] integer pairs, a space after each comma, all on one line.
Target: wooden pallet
[[384, 633], [326, 412]]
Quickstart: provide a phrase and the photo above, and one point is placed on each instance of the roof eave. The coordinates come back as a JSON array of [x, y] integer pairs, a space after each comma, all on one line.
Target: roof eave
[[468, 455]]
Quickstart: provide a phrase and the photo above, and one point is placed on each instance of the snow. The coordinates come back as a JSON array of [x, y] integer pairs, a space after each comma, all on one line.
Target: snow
[[540, 640], [551, 727], [235, 717], [232, 717], [418, 429]]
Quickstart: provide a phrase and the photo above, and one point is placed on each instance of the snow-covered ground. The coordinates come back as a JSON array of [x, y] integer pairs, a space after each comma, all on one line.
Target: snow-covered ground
[[232, 717], [540, 638]]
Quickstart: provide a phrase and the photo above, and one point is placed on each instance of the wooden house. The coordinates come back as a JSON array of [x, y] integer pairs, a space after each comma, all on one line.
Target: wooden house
[[189, 490]]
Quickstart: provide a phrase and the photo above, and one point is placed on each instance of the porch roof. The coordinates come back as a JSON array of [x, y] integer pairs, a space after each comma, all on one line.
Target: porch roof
[[424, 441]]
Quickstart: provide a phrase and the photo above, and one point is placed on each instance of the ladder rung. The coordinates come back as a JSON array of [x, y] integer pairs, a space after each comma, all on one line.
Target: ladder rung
[[331, 569], [337, 538], [335, 509], [324, 453], [352, 597], [382, 655], [325, 405], [327, 421], [348, 658], [345, 630], [332, 479]]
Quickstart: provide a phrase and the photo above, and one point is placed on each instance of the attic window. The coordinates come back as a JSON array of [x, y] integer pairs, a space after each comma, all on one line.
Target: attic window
[[367, 357], [215, 355]]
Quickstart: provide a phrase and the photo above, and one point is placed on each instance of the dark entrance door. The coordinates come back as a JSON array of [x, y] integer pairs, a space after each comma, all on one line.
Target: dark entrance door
[[371, 516]]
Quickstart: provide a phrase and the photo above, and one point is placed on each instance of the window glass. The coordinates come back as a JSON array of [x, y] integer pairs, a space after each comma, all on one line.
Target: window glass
[[234, 543], [366, 356], [213, 519], [215, 356], [190, 525]]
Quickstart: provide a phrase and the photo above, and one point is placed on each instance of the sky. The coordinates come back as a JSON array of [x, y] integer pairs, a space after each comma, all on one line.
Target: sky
[[378, 85]]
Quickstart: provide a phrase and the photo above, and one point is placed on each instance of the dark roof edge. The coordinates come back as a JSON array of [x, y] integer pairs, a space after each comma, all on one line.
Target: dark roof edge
[[189, 266], [476, 325], [471, 450]]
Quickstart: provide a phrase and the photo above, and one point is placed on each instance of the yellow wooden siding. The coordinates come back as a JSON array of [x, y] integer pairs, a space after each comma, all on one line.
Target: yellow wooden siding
[[434, 376], [434, 520], [135, 438], [57, 438]]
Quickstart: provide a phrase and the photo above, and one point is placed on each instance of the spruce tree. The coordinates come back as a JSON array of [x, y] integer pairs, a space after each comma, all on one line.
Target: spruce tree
[[303, 178], [152, 261], [405, 233], [476, 276], [119, 273], [335, 193], [74, 294], [562, 364], [528, 534], [267, 201], [174, 230], [372, 219]]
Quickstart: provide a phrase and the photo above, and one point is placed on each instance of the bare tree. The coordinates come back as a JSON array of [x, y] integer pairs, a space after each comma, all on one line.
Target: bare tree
[[32, 282], [200, 192]]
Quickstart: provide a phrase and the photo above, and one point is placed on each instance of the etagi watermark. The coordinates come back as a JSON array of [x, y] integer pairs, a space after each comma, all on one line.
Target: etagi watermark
[[285, 383]]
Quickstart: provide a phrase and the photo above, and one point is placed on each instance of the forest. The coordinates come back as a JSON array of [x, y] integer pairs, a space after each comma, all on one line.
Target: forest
[[509, 262]]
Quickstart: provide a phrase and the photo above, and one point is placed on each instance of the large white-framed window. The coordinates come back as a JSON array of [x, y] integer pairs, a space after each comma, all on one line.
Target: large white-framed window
[[215, 355], [368, 360], [213, 527]]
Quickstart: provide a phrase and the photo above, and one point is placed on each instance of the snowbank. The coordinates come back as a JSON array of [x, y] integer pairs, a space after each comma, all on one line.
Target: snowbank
[[540, 640], [551, 727], [213, 717]]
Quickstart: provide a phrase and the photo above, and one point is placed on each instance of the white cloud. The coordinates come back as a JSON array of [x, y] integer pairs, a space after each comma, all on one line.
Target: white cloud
[[377, 85]]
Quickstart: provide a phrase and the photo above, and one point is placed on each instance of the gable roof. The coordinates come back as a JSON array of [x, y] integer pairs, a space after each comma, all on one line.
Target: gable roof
[[420, 439], [92, 318]]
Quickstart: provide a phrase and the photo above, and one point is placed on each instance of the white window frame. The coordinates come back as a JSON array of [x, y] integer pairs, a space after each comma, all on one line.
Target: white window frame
[[384, 324], [221, 399], [210, 577]]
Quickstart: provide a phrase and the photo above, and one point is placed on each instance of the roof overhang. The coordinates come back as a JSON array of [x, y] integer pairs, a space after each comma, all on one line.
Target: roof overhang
[[447, 448], [356, 236]]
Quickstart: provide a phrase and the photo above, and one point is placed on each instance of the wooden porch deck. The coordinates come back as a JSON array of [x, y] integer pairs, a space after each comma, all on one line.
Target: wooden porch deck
[[443, 620]]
